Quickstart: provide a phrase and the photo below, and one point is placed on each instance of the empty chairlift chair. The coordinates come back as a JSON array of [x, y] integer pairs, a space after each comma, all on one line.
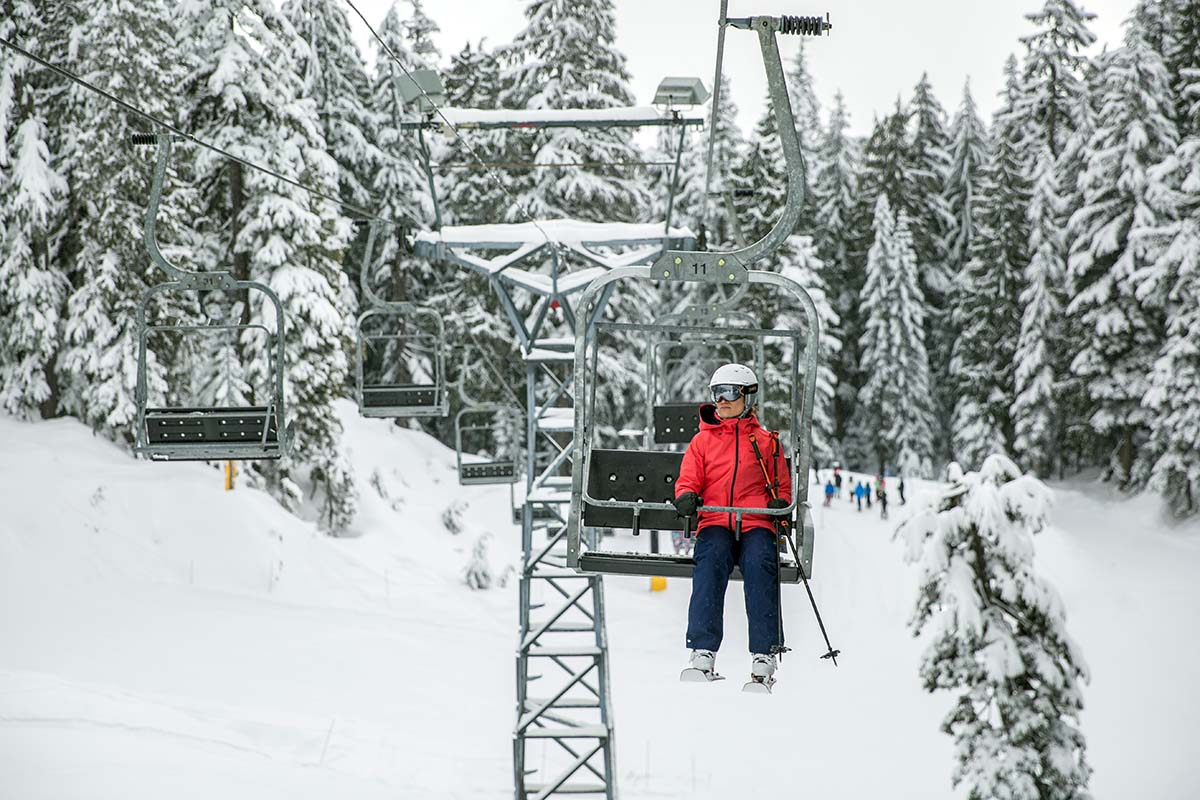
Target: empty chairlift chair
[[502, 467], [196, 432], [388, 335]]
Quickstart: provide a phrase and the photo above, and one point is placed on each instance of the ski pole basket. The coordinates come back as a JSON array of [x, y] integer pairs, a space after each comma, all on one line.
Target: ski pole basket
[[198, 432]]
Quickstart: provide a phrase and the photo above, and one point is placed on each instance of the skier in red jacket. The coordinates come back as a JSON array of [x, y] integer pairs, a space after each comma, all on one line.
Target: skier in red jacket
[[722, 468]]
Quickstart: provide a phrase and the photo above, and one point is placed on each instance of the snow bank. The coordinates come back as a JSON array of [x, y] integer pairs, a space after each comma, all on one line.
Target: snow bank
[[163, 637]]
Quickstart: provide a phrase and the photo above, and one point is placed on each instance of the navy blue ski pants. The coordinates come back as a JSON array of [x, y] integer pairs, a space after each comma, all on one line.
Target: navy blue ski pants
[[715, 554]]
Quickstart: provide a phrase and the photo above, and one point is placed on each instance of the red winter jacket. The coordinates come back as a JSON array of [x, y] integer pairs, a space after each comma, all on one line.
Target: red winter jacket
[[720, 466]]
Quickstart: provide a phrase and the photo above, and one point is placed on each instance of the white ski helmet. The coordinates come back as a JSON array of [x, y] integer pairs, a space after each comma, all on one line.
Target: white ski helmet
[[737, 375]]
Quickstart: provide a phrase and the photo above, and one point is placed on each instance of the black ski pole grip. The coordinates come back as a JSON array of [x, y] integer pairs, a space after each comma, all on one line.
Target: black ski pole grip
[[142, 139]]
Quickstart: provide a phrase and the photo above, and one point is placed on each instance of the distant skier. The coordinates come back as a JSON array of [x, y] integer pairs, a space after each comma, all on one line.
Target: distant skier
[[828, 493], [727, 462], [881, 493], [902, 500], [859, 491], [866, 493], [837, 480]]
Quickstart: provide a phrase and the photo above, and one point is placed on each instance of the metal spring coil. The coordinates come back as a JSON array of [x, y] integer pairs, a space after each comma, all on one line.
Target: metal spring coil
[[802, 26]]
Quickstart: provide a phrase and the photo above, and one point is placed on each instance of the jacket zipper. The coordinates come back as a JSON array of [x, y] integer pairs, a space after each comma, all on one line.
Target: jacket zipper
[[737, 446]]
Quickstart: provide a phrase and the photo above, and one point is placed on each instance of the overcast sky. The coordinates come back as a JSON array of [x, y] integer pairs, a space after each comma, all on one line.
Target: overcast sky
[[878, 48]]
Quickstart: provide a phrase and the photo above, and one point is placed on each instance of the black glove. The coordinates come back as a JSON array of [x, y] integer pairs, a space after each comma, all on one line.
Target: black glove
[[778, 502], [685, 504]]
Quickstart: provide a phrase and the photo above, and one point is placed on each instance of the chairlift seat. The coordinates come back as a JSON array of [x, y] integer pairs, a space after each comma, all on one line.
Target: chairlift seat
[[664, 565], [648, 475], [403, 400], [212, 433], [487, 472], [676, 423]]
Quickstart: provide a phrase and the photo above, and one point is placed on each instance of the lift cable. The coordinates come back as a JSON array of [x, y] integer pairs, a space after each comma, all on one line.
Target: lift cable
[[360, 212]]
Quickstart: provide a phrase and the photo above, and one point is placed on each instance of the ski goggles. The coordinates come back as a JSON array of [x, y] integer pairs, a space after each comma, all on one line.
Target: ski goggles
[[727, 391]]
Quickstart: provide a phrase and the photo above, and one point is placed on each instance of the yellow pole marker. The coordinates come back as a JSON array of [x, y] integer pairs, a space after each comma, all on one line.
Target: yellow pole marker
[[230, 475], [658, 584]]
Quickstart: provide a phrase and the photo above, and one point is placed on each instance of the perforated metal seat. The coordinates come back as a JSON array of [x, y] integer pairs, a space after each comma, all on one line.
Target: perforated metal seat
[[403, 400], [487, 472], [201, 434]]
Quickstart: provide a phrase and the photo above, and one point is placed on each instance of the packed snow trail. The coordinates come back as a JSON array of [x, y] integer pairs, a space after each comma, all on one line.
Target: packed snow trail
[[162, 636]]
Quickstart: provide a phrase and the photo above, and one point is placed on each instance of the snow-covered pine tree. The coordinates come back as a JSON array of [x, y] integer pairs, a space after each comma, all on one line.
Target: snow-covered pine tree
[[97, 367], [1034, 408], [1053, 70], [835, 191], [336, 79], [399, 187], [33, 192], [566, 57], [986, 311], [1181, 56], [419, 30], [997, 637], [245, 93], [893, 422], [473, 194], [884, 160], [968, 159], [1121, 334], [880, 172], [1173, 397], [926, 172]]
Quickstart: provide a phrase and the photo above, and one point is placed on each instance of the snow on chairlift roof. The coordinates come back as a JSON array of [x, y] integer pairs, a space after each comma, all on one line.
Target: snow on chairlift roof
[[622, 116], [563, 231]]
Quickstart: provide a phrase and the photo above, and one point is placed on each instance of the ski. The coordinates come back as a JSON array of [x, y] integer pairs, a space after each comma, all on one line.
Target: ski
[[758, 685], [693, 675]]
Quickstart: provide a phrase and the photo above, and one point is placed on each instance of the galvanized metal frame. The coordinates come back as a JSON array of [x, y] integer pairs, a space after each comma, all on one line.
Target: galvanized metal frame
[[183, 281]]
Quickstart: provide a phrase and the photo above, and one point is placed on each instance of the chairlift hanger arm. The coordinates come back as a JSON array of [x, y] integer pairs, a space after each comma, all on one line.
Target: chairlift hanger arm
[[731, 266]]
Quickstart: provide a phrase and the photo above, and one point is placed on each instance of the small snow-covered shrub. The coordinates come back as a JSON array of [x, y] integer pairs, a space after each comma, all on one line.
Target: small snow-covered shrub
[[452, 517], [478, 572]]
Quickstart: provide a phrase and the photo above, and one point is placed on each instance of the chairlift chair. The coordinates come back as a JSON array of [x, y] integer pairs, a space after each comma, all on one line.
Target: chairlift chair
[[503, 467], [632, 489], [406, 327], [194, 432]]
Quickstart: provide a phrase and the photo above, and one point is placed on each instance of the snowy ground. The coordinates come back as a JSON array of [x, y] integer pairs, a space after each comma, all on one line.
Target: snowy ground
[[162, 637]]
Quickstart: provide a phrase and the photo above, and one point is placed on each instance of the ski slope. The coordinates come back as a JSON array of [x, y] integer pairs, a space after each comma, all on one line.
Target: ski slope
[[162, 637]]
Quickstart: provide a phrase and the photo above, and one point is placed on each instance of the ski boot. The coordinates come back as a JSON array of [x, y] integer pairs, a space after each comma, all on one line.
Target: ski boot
[[701, 668], [762, 674]]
